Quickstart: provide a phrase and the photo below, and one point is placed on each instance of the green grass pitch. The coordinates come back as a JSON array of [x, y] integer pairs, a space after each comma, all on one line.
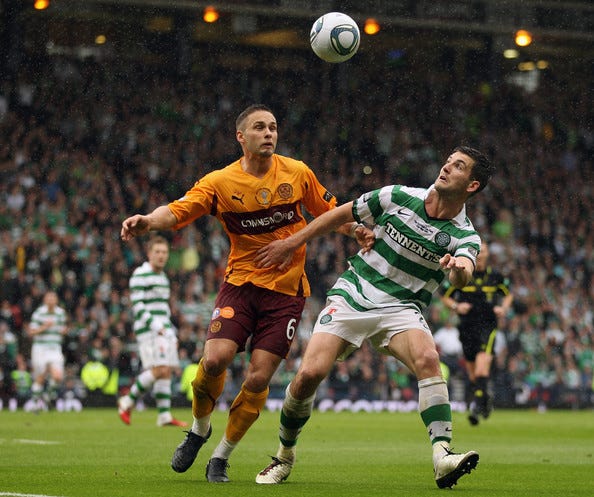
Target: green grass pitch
[[92, 454]]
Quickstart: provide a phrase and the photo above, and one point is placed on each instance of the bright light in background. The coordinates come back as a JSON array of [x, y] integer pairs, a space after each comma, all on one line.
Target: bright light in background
[[210, 14], [527, 66], [511, 53], [523, 38], [41, 4], [100, 39], [371, 26]]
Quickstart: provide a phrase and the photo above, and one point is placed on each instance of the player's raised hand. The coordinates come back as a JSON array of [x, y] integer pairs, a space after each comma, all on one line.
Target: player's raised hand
[[136, 225], [449, 262], [365, 238], [460, 269]]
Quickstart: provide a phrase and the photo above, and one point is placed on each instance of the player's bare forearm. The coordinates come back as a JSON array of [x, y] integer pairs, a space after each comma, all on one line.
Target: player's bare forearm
[[364, 236], [501, 310], [459, 277], [327, 222], [276, 252], [160, 219], [37, 330]]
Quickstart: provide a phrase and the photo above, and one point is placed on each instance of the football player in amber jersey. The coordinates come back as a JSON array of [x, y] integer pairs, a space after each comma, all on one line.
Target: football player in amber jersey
[[257, 199]]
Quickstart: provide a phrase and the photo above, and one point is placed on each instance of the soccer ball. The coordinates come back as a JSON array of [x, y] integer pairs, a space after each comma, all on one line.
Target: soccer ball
[[334, 37]]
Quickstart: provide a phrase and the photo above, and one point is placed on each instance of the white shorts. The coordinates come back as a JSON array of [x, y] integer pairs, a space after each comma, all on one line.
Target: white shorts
[[158, 349], [377, 325], [44, 357]]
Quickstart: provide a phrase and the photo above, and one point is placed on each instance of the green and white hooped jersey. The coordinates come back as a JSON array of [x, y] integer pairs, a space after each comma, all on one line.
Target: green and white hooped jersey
[[149, 293], [51, 337], [403, 266]]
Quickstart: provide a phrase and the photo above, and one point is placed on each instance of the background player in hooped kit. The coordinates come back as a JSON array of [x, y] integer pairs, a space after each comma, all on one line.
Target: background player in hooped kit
[[156, 336], [258, 199], [49, 324]]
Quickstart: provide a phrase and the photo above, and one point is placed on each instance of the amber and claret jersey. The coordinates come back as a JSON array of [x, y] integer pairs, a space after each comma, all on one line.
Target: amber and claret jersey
[[254, 212]]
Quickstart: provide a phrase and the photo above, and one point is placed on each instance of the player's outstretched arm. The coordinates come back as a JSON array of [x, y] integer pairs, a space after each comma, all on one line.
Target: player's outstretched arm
[[364, 236], [160, 219], [276, 252]]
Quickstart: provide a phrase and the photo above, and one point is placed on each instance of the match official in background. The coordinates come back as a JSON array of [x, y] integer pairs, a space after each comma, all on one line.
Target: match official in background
[[480, 305]]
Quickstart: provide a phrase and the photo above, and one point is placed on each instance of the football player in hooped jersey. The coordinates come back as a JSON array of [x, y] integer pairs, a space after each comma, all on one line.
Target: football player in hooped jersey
[[257, 199], [155, 335], [422, 235]]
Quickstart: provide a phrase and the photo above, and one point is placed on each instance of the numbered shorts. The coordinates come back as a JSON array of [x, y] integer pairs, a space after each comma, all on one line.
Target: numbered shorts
[[267, 319], [158, 349], [377, 325], [46, 357]]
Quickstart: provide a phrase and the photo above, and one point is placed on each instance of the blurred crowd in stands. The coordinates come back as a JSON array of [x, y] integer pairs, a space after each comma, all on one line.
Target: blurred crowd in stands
[[85, 144]]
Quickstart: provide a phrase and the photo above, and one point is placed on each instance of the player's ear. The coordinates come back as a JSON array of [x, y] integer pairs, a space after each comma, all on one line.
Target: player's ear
[[473, 186], [239, 136]]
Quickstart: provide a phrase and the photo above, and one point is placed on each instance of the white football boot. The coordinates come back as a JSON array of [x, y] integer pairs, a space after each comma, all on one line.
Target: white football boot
[[451, 467], [276, 472]]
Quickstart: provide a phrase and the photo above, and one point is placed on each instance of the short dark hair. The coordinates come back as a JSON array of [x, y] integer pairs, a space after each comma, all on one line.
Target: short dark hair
[[250, 110], [482, 170]]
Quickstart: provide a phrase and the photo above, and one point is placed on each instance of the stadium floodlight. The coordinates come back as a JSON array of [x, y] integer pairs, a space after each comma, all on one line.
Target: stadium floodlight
[[41, 4], [371, 26], [210, 14], [523, 38]]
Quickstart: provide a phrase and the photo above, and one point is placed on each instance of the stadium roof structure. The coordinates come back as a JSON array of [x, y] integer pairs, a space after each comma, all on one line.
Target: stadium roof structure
[[562, 30]]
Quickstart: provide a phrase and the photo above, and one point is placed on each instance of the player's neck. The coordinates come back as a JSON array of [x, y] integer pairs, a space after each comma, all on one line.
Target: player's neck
[[256, 165], [439, 206]]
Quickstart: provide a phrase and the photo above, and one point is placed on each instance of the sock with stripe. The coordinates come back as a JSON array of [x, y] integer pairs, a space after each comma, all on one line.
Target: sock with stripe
[[162, 393], [144, 382], [436, 413], [294, 414]]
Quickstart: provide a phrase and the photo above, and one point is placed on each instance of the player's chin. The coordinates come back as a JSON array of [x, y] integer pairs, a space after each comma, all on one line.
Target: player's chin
[[266, 151]]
